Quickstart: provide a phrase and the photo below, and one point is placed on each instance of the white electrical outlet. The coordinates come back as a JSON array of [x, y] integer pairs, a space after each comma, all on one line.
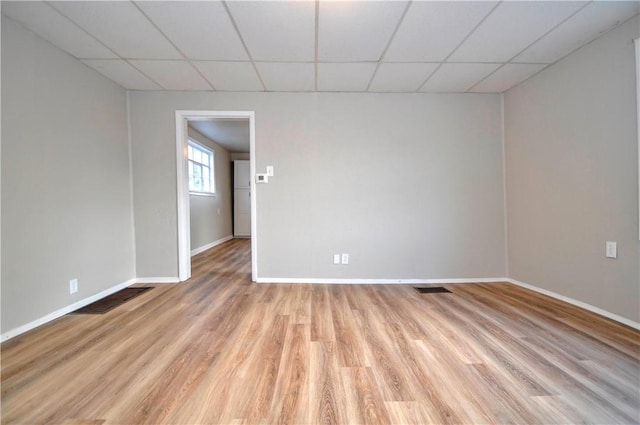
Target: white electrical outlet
[[345, 258], [612, 249], [270, 170], [73, 286], [336, 258]]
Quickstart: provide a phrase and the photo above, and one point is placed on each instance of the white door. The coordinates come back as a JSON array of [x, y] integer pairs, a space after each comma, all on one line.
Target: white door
[[242, 198], [241, 174], [242, 213]]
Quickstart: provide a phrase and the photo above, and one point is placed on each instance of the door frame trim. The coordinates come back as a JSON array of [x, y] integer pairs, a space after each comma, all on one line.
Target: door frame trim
[[182, 189]]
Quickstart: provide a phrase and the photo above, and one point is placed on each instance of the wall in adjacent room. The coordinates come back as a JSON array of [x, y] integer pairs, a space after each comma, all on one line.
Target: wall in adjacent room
[[572, 176], [235, 156], [66, 188], [210, 216], [410, 185]]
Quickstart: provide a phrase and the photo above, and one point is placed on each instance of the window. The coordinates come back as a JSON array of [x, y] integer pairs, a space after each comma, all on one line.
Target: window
[[201, 169]]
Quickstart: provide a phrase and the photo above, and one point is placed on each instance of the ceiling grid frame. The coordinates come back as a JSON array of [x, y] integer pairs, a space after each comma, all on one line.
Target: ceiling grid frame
[[370, 64], [49, 3], [531, 44], [391, 38], [244, 44], [315, 44], [135, 3], [458, 46]]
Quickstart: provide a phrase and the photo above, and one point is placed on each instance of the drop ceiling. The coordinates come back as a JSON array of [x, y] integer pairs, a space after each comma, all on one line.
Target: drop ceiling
[[324, 46]]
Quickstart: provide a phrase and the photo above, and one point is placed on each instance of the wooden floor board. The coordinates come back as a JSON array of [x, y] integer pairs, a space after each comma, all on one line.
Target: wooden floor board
[[219, 349]]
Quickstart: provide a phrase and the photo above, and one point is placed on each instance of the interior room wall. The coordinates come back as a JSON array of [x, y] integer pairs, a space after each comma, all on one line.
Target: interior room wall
[[572, 176], [410, 185], [240, 155], [66, 189], [210, 216]]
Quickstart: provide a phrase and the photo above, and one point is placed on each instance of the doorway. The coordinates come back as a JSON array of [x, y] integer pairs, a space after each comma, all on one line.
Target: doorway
[[183, 117]]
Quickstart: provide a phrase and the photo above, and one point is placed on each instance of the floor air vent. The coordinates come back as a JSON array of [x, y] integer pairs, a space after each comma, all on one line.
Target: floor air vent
[[432, 290], [112, 301]]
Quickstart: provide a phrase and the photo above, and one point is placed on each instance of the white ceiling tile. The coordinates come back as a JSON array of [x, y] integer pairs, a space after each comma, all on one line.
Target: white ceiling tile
[[352, 36], [432, 29], [280, 76], [121, 72], [511, 27], [506, 77], [348, 77], [40, 18], [276, 30], [120, 26], [172, 75], [230, 76], [401, 77], [356, 30], [589, 23], [209, 34], [458, 77]]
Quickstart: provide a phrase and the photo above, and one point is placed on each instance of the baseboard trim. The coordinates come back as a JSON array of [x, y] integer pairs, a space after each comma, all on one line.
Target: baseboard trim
[[157, 280], [65, 310], [577, 303], [79, 304], [203, 248], [148, 280], [377, 281]]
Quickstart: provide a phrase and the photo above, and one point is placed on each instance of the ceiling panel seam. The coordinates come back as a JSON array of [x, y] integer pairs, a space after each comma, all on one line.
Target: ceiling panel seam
[[102, 43], [244, 44], [315, 47], [81, 29], [393, 35], [458, 46], [184, 56], [548, 32]]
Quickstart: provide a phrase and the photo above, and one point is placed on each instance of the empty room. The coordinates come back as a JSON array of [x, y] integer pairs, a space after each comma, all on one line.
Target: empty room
[[317, 212]]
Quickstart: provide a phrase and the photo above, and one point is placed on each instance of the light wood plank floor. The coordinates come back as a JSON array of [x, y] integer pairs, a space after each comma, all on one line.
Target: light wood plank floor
[[221, 350]]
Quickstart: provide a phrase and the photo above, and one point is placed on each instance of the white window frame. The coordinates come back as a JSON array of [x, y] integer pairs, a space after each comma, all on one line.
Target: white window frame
[[211, 166]]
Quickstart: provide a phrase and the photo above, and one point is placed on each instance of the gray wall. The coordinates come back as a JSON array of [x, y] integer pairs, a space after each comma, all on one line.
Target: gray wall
[[207, 226], [240, 155], [410, 185], [66, 198], [572, 176]]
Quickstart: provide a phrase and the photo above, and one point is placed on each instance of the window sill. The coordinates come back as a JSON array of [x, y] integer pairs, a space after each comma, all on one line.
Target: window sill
[[202, 194]]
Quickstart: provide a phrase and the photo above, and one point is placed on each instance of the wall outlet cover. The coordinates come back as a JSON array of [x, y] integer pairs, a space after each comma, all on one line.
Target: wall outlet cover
[[73, 286]]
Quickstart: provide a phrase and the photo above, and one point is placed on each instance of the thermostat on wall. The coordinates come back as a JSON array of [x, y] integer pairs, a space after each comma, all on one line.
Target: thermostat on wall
[[262, 178]]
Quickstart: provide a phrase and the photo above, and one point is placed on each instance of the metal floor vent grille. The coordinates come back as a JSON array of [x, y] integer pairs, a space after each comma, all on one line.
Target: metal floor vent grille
[[432, 290]]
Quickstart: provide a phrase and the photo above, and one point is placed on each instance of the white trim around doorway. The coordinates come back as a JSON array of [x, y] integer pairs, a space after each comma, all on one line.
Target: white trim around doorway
[[184, 237]]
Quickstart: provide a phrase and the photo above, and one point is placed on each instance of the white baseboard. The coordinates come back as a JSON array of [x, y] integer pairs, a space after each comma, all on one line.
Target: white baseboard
[[210, 245], [577, 303], [79, 304], [65, 310], [557, 296], [156, 280], [148, 280], [377, 281]]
